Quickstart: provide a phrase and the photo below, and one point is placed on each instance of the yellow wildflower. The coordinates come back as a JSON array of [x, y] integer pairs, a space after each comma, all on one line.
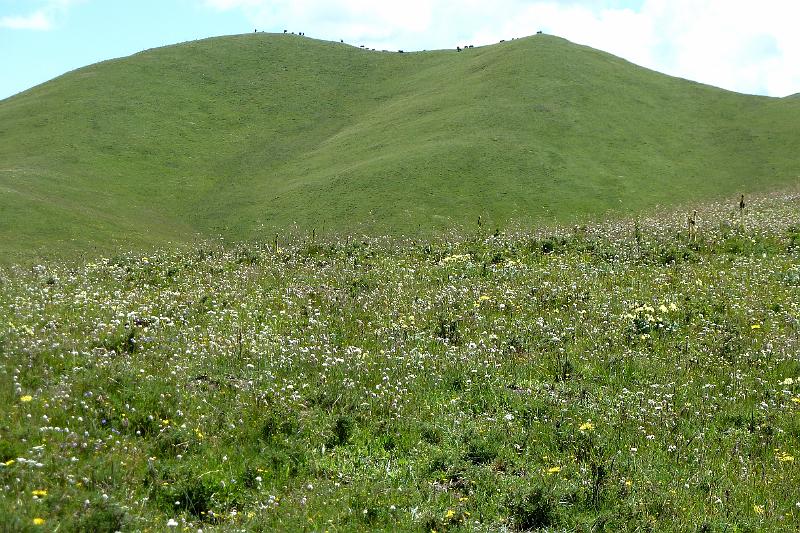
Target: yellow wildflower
[[553, 470], [450, 514], [38, 521], [755, 326], [586, 426], [39, 492], [785, 457], [759, 509], [457, 257], [26, 398]]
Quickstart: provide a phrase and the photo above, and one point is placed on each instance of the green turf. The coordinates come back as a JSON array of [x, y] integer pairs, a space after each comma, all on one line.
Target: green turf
[[248, 135]]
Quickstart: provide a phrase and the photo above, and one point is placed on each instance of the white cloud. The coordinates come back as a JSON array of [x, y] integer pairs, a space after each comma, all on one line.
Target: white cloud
[[41, 19], [747, 46], [38, 20]]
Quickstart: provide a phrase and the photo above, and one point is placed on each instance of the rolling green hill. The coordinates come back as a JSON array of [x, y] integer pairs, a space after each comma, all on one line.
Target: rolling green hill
[[247, 135]]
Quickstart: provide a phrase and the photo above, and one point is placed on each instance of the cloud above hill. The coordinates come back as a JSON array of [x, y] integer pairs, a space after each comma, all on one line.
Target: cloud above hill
[[41, 18], [38, 20], [746, 46]]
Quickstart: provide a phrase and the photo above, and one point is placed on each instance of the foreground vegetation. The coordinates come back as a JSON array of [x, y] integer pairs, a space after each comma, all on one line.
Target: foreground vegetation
[[240, 135], [612, 377]]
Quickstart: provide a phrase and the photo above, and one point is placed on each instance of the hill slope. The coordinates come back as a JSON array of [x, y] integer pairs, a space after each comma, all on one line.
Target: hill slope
[[243, 135]]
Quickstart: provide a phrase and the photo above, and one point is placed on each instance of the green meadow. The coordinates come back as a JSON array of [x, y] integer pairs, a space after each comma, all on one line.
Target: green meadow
[[624, 376], [246, 136], [270, 283]]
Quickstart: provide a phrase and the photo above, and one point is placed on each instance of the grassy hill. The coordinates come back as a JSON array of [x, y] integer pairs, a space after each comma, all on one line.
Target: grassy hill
[[246, 135]]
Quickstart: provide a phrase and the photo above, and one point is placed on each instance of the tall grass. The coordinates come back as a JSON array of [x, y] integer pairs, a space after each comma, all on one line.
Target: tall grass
[[619, 376]]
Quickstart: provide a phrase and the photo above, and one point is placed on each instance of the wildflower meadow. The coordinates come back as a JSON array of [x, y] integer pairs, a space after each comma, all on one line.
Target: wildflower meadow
[[617, 376]]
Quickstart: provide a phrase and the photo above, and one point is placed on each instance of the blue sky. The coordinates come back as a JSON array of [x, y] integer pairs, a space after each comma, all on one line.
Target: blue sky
[[751, 47]]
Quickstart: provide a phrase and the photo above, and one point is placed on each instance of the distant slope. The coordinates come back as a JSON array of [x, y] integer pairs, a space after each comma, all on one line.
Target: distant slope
[[242, 136]]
